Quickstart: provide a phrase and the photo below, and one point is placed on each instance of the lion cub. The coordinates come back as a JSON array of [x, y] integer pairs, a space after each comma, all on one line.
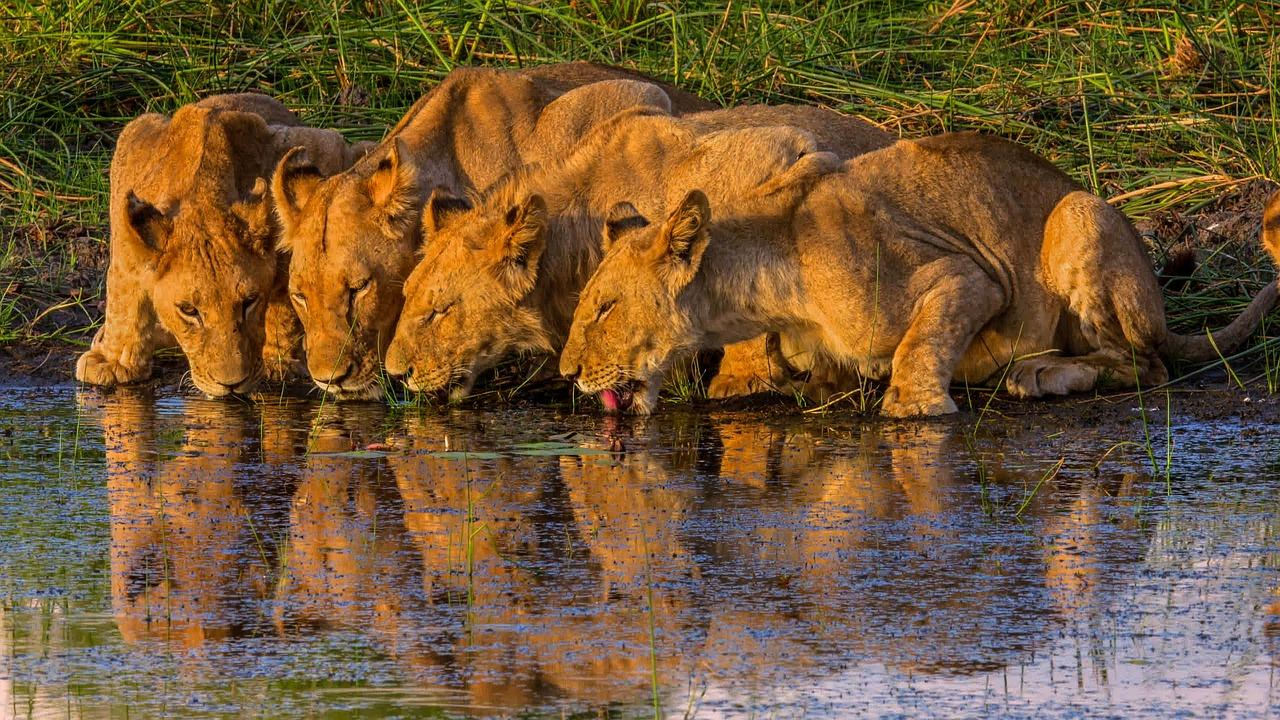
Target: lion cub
[[353, 237], [957, 257], [193, 243], [503, 276]]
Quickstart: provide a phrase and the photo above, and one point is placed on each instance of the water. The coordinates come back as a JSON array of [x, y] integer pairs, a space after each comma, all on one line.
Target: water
[[185, 558]]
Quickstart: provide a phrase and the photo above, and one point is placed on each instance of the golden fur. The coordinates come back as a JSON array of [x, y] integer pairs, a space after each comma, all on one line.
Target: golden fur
[[353, 236], [192, 243], [1271, 227], [503, 276], [954, 257]]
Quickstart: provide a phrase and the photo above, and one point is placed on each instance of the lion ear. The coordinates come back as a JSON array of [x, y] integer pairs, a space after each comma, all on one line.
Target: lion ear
[[254, 210], [292, 185], [393, 186], [684, 238], [1271, 227], [522, 245], [440, 207], [151, 225], [622, 219]]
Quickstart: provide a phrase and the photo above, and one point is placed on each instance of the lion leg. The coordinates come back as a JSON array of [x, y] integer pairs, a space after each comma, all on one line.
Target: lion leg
[[946, 320], [827, 379], [1092, 261], [747, 368], [1055, 375], [282, 349], [122, 348]]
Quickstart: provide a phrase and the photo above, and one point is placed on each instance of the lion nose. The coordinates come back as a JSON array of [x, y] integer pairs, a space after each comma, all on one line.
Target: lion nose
[[571, 376], [336, 377]]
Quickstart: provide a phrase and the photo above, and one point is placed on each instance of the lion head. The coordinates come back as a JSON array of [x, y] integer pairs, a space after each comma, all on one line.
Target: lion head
[[192, 235], [629, 325], [465, 303], [352, 238], [214, 270]]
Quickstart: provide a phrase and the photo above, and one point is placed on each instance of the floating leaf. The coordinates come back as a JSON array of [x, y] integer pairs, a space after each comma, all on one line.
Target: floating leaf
[[548, 445], [545, 449], [461, 455], [562, 451]]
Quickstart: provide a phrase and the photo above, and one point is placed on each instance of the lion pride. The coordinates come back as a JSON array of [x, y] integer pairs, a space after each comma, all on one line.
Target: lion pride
[[353, 236], [504, 276], [192, 243], [956, 257]]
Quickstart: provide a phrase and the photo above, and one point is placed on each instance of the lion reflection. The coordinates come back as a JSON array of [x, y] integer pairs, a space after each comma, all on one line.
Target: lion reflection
[[193, 520], [713, 552]]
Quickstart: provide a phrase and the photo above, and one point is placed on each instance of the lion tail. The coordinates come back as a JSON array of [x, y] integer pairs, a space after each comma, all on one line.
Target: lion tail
[[1210, 346], [1203, 348]]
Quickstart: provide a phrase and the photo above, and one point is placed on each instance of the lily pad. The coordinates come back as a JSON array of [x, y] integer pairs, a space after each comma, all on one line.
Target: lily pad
[[359, 454], [463, 455], [549, 448]]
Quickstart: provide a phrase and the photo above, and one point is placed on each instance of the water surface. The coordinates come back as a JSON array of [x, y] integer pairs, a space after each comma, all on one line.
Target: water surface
[[170, 556]]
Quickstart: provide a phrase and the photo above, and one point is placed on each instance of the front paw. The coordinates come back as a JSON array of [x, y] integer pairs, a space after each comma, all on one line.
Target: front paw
[[900, 403], [281, 370], [724, 386], [95, 368]]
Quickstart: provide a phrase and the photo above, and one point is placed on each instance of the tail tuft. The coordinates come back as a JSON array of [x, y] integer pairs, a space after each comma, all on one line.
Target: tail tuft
[[1178, 269]]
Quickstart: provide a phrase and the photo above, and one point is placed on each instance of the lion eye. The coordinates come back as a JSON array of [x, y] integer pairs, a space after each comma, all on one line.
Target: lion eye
[[437, 313], [605, 309], [248, 304], [361, 286], [189, 311], [298, 298]]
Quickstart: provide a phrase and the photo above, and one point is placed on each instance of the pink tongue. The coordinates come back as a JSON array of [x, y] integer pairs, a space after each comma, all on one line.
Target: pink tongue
[[609, 398]]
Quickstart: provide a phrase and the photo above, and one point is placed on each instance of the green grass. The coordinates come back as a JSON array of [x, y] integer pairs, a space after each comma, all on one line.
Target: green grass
[[1168, 105]]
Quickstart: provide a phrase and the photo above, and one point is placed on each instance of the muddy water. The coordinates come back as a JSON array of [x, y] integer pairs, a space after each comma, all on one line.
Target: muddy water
[[178, 557]]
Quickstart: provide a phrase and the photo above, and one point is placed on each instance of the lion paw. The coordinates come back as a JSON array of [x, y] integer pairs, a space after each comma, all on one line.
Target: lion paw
[[898, 403], [1037, 377], [826, 381], [95, 368], [279, 370], [724, 386]]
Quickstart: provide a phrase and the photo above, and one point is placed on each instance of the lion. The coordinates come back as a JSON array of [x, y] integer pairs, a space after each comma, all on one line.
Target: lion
[[1271, 227], [353, 236], [503, 276], [192, 244], [953, 258]]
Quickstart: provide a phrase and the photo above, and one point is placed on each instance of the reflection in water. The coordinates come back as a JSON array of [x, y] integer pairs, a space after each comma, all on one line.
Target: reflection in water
[[192, 529], [716, 563]]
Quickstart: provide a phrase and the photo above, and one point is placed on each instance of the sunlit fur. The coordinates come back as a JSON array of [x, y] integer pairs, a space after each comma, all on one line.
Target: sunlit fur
[[362, 226], [497, 279], [192, 244], [955, 257]]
